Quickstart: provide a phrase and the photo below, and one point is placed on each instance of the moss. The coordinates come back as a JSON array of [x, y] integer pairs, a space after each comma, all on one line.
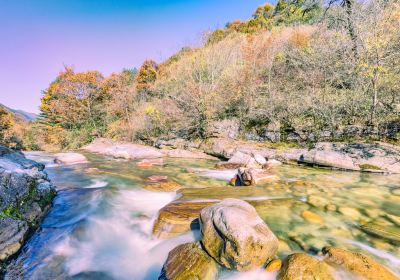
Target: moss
[[367, 166], [11, 212]]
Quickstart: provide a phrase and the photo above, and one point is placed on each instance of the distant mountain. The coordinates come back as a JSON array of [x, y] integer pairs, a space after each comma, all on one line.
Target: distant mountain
[[25, 116]]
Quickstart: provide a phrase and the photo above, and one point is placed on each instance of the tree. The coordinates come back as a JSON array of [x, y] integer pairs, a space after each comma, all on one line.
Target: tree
[[146, 77]]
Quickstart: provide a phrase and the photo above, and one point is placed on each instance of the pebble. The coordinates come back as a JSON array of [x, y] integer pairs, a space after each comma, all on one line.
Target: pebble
[[274, 265]]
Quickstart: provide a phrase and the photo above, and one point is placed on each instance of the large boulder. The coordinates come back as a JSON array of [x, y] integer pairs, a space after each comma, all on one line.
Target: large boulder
[[375, 157], [357, 263], [122, 149], [189, 261], [69, 158], [25, 197], [235, 236], [300, 266]]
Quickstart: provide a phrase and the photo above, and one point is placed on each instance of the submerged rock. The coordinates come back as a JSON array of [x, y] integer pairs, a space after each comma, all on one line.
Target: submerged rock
[[25, 196], [301, 266], [312, 217], [357, 263], [189, 261], [69, 158], [235, 236], [388, 233], [169, 186]]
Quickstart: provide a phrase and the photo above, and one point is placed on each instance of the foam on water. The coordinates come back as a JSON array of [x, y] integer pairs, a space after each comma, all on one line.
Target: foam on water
[[97, 184], [257, 274], [120, 242]]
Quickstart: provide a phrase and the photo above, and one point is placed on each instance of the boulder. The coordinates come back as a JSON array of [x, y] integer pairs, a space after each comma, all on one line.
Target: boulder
[[247, 177], [235, 236], [357, 263], [189, 261], [25, 197], [69, 158], [301, 266], [181, 215], [375, 157], [272, 163], [122, 149]]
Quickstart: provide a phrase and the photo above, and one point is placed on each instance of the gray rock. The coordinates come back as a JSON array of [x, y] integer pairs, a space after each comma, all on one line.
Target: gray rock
[[12, 234], [25, 196], [235, 236], [376, 157]]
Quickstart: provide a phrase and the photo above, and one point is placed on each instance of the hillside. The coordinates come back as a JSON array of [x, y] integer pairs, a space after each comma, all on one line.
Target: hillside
[[25, 116], [294, 72]]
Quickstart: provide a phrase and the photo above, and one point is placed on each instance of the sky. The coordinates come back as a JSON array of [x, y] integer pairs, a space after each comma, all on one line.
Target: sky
[[39, 37]]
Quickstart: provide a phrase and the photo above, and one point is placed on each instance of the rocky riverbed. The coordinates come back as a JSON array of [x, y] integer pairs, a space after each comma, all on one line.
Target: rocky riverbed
[[125, 216]]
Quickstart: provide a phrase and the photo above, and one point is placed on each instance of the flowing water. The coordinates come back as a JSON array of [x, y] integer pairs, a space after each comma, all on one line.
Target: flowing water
[[100, 226]]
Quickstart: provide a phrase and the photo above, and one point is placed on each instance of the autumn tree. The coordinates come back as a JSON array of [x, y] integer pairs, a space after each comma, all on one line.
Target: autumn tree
[[146, 77]]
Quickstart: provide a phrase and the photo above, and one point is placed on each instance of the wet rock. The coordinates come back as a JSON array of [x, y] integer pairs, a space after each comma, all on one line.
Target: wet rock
[[122, 149], [69, 158], [169, 186], [235, 236], [357, 263], [247, 177], [274, 265], [12, 234], [302, 266], [178, 217], [312, 217], [189, 261]]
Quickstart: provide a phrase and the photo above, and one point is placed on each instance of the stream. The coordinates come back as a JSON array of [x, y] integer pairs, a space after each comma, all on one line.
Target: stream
[[100, 225]]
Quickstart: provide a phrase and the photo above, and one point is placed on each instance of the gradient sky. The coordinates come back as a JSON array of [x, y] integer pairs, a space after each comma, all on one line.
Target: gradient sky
[[38, 37]]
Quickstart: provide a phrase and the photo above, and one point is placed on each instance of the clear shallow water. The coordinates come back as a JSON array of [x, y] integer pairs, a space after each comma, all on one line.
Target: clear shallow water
[[100, 224]]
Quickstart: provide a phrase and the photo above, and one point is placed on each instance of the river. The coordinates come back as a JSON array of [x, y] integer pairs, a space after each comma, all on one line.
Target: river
[[100, 226]]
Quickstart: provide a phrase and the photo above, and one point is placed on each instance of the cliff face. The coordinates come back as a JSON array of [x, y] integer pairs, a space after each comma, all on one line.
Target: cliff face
[[26, 195]]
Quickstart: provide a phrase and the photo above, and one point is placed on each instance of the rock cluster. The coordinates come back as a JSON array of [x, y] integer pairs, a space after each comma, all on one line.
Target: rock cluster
[[25, 197], [234, 237], [226, 240]]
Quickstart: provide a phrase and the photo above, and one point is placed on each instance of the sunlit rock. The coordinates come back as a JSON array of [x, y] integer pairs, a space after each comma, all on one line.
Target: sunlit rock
[[301, 266], [357, 263], [235, 236], [189, 261], [69, 158]]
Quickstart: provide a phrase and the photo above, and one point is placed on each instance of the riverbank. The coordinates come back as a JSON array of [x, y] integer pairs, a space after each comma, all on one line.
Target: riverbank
[[376, 157], [26, 195]]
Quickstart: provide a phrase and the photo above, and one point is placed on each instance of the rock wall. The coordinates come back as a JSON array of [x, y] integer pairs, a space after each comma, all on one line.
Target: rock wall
[[26, 195]]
